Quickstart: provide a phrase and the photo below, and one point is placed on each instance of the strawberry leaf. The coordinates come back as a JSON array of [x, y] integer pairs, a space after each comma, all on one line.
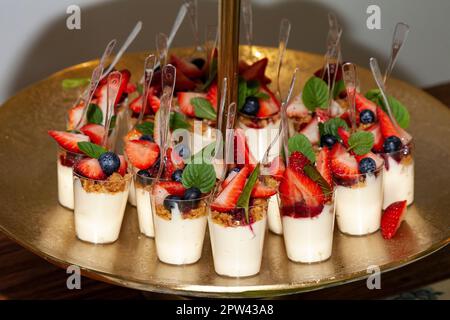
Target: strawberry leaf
[[146, 128], [301, 143], [331, 126], [244, 198], [201, 176], [91, 150], [315, 94], [94, 114], [361, 142], [203, 108], [178, 121]]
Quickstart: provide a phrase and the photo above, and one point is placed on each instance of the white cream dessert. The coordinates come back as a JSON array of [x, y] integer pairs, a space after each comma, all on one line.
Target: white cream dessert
[[309, 239], [237, 250], [398, 181], [273, 215], [65, 185], [142, 187], [132, 196]]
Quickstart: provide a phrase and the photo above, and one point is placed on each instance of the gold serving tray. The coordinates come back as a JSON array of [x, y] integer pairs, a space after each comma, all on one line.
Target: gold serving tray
[[31, 215]]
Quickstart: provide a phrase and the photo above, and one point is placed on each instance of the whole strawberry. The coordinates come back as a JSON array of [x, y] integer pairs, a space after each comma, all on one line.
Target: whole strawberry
[[392, 218]]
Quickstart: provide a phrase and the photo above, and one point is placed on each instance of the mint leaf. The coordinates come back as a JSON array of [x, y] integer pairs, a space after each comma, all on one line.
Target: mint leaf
[[91, 150], [204, 155], [203, 108], [321, 129], [252, 88], [244, 198], [331, 126], [201, 176], [140, 88], [301, 143], [242, 93], [94, 114], [361, 142], [146, 128], [339, 86], [178, 121], [315, 94], [75, 83], [399, 111], [261, 95], [113, 124], [315, 175]]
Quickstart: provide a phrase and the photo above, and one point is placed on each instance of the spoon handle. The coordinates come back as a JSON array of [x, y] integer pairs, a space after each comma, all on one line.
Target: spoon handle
[[247, 18], [108, 50], [149, 67], [400, 35], [137, 28], [193, 18], [113, 86], [177, 23], [162, 49], [350, 76], [283, 39]]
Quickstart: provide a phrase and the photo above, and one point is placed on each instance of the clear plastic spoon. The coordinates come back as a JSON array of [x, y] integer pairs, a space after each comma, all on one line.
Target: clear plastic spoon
[[149, 68], [247, 19], [285, 30], [162, 48], [400, 35], [350, 76], [113, 86], [193, 17]]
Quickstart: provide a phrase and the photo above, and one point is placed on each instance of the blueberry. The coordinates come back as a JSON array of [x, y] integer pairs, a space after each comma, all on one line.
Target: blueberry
[[176, 175], [367, 116], [198, 62], [147, 137], [183, 151], [192, 196], [392, 144], [367, 165], [328, 140], [251, 106], [109, 162], [171, 202]]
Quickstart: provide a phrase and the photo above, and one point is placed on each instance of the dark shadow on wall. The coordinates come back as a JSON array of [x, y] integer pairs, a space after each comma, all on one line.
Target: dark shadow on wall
[[57, 47]]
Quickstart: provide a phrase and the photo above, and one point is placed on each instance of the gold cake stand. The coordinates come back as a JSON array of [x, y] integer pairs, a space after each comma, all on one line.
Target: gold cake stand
[[31, 216]]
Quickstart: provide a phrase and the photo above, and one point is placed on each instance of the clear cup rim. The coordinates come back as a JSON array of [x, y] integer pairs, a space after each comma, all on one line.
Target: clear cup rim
[[79, 176], [410, 145]]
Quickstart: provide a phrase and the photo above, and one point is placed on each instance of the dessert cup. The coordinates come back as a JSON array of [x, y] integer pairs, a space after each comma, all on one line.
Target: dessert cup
[[64, 162], [398, 177], [359, 202], [237, 247], [100, 207], [274, 216], [180, 231], [132, 195], [260, 133], [143, 191], [308, 231]]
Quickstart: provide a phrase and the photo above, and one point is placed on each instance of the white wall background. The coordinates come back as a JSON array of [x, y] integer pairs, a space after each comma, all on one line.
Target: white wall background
[[35, 41]]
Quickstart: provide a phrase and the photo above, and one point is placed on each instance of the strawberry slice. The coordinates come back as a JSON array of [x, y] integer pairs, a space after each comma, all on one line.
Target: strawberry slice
[[126, 75], [243, 66], [299, 183], [154, 103], [298, 161], [75, 115], [323, 165], [141, 153], [343, 164], [188, 68], [228, 179], [392, 219], [173, 187], [123, 166], [386, 125], [228, 197], [67, 140], [131, 88], [257, 71], [242, 154], [289, 193], [322, 115], [345, 135], [173, 163], [90, 168], [378, 138], [268, 107], [184, 101], [311, 131], [212, 95], [362, 103], [262, 191], [136, 105], [277, 168], [183, 83], [95, 132]]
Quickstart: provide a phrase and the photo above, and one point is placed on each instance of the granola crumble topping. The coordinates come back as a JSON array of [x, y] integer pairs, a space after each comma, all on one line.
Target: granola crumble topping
[[114, 184], [237, 219], [198, 212]]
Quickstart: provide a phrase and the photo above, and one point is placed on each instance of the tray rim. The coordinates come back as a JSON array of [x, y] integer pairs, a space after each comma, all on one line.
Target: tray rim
[[260, 291]]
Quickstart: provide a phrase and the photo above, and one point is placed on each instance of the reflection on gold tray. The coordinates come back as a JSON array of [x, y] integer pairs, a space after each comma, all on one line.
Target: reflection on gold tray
[[31, 215]]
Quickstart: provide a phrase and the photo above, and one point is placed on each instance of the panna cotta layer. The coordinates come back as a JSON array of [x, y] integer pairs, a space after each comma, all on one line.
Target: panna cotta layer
[[144, 210], [398, 181], [65, 185], [273, 215]]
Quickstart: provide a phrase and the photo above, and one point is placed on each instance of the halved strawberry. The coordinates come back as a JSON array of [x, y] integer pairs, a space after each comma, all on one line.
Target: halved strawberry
[[268, 107], [67, 140], [90, 168], [75, 115], [260, 190], [136, 105], [154, 103], [123, 166], [183, 83], [243, 66], [228, 197], [289, 193], [188, 68], [141, 153], [212, 95], [131, 87], [126, 75], [386, 125], [242, 154], [312, 193], [298, 161], [228, 179], [322, 115], [378, 138], [345, 135], [323, 165], [173, 188], [343, 164], [362, 103], [257, 72], [95, 132], [184, 101], [277, 168], [173, 162], [311, 131], [392, 219]]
